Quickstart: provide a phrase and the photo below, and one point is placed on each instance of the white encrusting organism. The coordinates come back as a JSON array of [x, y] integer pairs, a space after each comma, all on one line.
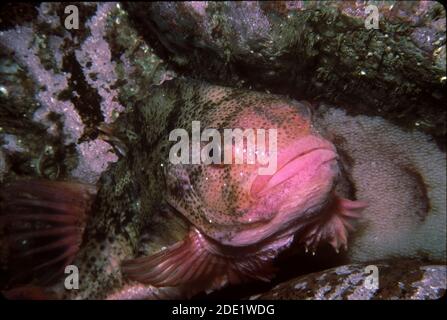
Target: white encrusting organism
[[402, 175]]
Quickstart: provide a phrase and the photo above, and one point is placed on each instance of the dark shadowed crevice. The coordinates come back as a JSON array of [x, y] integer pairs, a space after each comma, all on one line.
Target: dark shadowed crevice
[[85, 98]]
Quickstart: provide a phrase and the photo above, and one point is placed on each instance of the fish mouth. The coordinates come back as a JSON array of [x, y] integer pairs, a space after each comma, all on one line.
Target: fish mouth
[[307, 153]]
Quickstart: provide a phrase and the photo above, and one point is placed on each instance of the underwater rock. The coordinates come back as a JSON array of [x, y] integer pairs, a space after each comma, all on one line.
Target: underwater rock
[[26, 147], [312, 50], [397, 279], [3, 165], [18, 41], [58, 86]]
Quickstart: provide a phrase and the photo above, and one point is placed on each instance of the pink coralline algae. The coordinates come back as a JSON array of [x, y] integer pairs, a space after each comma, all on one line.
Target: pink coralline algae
[[94, 157], [94, 57], [21, 41]]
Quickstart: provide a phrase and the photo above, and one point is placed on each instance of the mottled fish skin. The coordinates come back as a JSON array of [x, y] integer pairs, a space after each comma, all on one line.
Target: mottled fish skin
[[216, 198], [143, 187], [130, 194], [240, 219]]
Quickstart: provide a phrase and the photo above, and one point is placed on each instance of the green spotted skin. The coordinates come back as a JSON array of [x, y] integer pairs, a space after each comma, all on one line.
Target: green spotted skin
[[143, 193]]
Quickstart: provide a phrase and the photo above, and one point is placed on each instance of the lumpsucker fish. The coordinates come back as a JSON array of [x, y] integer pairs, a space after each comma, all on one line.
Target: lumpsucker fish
[[226, 223]]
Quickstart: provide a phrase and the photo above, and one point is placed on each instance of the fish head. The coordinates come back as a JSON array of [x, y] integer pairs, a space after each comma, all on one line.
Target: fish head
[[244, 212], [244, 203]]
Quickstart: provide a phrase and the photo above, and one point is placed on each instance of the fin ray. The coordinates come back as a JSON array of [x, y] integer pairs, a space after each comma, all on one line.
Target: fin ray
[[201, 263], [42, 225]]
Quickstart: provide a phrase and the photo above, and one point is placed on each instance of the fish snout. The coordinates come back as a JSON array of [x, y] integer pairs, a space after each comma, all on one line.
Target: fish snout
[[303, 158]]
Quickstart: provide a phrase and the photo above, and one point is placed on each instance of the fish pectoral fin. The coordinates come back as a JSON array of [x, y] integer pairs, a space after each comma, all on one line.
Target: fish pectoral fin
[[200, 264], [334, 225], [41, 227]]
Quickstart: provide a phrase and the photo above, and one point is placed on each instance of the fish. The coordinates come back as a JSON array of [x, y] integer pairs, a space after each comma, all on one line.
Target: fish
[[214, 224]]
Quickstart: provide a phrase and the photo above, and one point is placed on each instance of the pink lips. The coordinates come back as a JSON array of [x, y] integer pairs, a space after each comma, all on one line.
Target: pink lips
[[303, 154]]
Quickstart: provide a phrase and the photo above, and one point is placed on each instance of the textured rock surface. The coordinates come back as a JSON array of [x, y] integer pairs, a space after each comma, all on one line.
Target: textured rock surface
[[58, 86], [404, 279], [313, 50]]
